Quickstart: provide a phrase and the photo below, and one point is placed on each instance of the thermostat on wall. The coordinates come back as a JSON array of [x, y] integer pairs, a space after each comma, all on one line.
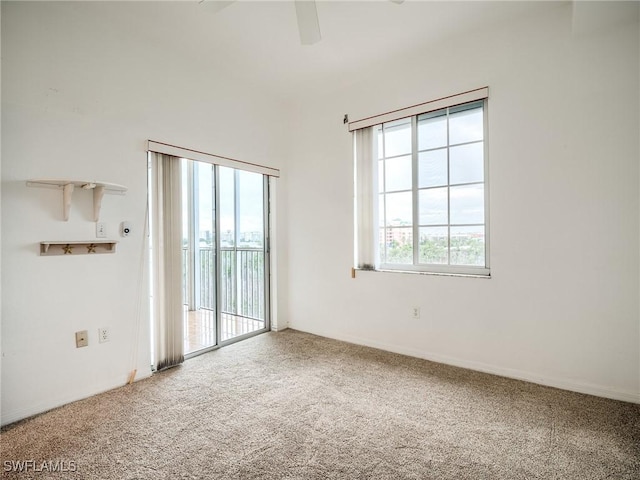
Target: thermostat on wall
[[125, 229]]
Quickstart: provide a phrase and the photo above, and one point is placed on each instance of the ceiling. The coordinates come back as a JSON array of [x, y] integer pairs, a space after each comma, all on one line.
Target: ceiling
[[262, 39], [259, 41]]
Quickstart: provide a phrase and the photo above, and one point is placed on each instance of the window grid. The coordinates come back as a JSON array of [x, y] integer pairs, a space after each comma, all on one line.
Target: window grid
[[387, 230]]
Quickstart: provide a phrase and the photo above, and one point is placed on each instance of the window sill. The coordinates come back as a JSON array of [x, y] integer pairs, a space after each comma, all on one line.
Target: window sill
[[416, 272]]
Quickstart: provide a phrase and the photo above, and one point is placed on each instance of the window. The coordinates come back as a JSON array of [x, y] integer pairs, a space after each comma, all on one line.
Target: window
[[421, 185]]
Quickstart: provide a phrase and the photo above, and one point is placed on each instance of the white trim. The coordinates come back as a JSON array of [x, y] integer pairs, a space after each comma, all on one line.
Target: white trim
[[487, 189], [159, 147], [450, 101], [276, 323], [279, 329], [545, 380], [462, 270]]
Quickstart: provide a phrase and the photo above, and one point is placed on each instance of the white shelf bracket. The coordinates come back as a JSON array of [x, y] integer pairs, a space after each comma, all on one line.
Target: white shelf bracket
[[98, 193], [66, 199]]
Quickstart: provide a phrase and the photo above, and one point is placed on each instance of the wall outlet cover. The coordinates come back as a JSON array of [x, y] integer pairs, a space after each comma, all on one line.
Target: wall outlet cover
[[103, 335], [82, 338]]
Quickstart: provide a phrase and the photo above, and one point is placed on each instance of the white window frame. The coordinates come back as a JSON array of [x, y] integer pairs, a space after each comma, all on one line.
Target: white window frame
[[366, 189]]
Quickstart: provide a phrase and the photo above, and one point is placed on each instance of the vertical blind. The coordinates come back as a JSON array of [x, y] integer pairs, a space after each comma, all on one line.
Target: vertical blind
[[166, 247]]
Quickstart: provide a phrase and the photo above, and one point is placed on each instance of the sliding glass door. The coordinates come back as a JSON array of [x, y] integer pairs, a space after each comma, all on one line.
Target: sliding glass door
[[243, 252], [225, 254]]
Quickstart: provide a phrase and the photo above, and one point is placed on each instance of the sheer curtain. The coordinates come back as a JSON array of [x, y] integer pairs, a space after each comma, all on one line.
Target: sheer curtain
[[166, 257]]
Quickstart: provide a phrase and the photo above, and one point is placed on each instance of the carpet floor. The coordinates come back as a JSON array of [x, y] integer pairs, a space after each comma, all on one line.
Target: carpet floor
[[294, 405]]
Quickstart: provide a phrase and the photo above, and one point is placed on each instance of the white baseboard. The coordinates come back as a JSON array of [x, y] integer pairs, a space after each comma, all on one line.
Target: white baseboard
[[20, 414], [561, 383], [275, 328]]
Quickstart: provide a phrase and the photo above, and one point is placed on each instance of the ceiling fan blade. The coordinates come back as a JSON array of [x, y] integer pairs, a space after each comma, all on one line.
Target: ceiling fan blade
[[214, 6], [308, 24]]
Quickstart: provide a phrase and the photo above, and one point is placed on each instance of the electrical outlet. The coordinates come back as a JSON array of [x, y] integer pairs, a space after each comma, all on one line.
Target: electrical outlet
[[101, 230], [103, 335], [415, 313], [82, 339]]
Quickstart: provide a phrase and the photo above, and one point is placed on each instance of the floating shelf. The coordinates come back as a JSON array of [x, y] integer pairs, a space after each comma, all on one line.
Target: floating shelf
[[79, 247], [67, 187]]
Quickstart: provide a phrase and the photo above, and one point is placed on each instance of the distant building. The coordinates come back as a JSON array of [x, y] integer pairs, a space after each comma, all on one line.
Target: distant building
[[398, 233]]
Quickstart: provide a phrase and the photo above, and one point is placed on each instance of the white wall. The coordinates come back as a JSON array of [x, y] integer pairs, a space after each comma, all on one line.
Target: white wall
[[562, 306], [80, 97]]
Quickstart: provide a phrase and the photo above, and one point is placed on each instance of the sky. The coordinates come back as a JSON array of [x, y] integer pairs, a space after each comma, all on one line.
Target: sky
[[250, 199]]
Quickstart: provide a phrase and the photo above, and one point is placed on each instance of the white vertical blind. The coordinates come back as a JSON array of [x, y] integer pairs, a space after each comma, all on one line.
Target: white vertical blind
[[166, 246], [365, 193]]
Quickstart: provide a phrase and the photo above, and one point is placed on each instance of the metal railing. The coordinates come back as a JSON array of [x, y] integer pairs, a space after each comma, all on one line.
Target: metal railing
[[242, 280]]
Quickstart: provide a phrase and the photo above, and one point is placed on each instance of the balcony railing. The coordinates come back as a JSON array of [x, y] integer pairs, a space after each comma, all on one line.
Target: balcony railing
[[242, 280]]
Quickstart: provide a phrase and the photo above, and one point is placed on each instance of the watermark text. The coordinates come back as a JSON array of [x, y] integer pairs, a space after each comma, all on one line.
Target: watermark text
[[21, 466]]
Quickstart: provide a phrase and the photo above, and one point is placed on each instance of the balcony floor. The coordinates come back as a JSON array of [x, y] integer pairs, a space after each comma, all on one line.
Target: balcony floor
[[200, 328]]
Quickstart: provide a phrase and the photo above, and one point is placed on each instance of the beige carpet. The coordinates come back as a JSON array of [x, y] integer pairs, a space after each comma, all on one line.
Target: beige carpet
[[293, 405]]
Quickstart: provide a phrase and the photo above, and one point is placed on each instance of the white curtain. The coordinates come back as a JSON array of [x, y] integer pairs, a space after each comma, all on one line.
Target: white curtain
[[166, 250], [366, 205]]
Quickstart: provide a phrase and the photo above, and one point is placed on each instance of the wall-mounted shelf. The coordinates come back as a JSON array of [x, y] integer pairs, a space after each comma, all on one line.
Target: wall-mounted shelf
[[67, 187], [77, 247]]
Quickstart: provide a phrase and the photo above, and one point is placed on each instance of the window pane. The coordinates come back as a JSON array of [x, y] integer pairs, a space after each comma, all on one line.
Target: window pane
[[398, 209], [184, 188], [381, 211], [205, 220], [397, 137], [434, 245], [432, 168], [433, 206], [467, 246], [399, 245], [250, 209], [398, 173], [467, 204], [378, 135], [465, 126], [467, 163], [381, 176], [432, 130], [227, 205]]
